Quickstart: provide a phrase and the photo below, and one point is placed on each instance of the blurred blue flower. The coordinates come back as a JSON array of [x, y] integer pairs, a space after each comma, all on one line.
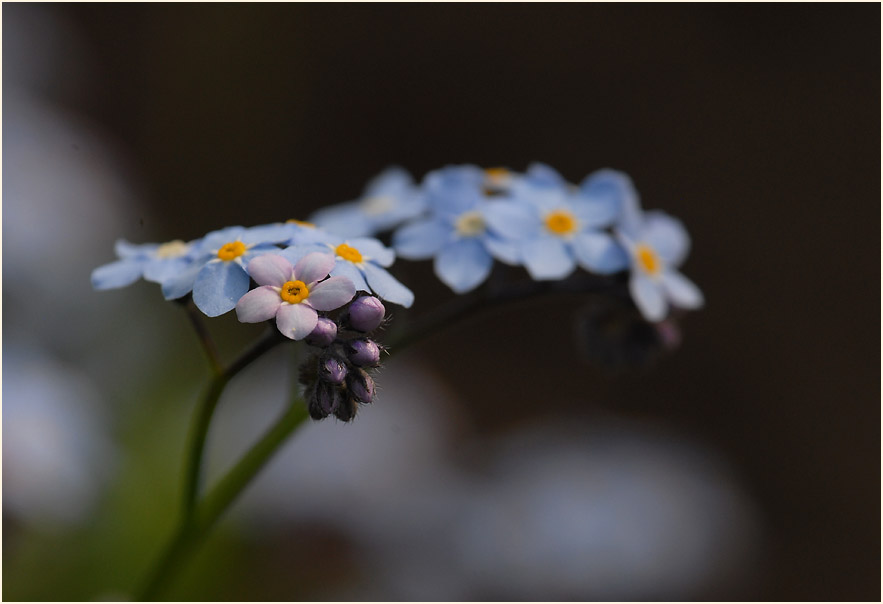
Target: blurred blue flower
[[388, 200], [554, 226], [152, 261], [217, 276], [361, 260], [457, 233], [657, 245]]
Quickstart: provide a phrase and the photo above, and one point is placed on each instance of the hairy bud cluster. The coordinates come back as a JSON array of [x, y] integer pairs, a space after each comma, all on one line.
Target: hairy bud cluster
[[336, 376]]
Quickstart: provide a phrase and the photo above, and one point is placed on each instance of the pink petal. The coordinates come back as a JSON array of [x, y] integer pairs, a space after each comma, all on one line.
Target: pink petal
[[270, 269], [332, 293], [260, 304], [296, 321], [313, 266]]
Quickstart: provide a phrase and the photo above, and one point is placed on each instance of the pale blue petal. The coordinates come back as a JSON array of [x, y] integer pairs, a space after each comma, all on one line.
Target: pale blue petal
[[618, 187], [504, 250], [421, 239], [295, 252], [374, 250], [216, 239], [599, 252], [544, 175], [667, 236], [463, 265], [117, 274], [547, 257], [594, 213], [386, 286], [181, 284], [160, 271], [218, 287], [124, 249], [512, 219], [682, 292], [344, 219], [394, 180], [648, 296], [347, 269]]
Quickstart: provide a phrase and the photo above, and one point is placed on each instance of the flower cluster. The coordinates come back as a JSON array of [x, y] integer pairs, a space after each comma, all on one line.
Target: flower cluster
[[336, 376], [464, 218], [290, 263]]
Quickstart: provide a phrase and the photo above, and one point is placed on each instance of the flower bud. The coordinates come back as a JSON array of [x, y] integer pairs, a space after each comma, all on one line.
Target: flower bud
[[346, 410], [365, 314], [323, 334], [363, 353], [324, 400], [332, 370], [361, 386]]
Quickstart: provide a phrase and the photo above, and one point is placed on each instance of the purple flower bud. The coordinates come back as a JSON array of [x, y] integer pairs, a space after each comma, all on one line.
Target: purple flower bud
[[346, 410], [361, 386], [365, 314], [363, 353], [323, 334], [332, 370], [324, 400]]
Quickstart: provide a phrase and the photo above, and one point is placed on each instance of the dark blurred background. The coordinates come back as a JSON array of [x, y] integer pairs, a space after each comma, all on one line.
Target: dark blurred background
[[758, 126]]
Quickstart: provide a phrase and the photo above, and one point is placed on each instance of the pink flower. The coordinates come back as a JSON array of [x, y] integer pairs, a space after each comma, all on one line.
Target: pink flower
[[293, 294]]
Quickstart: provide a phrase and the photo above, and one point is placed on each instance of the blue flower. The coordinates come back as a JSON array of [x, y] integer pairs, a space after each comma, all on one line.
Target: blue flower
[[362, 261], [657, 244], [388, 200], [554, 227], [152, 261], [217, 276], [457, 233]]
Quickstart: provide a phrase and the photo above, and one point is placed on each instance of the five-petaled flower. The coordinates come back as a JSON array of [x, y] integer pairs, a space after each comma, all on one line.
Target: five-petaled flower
[[217, 275], [155, 262], [293, 294], [363, 261]]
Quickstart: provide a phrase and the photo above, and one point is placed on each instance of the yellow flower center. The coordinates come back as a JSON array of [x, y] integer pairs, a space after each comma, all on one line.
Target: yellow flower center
[[378, 204], [561, 222], [172, 249], [496, 175], [302, 223], [647, 259], [348, 253], [231, 251], [470, 224], [294, 292]]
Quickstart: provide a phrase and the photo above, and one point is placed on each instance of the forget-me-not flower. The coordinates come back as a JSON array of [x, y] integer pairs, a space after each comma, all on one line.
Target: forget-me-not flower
[[153, 261], [457, 233], [556, 227], [217, 276], [388, 200], [362, 260], [293, 294], [657, 245]]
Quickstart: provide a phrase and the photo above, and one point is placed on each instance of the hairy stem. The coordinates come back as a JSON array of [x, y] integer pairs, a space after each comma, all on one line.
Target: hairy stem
[[205, 410], [194, 527]]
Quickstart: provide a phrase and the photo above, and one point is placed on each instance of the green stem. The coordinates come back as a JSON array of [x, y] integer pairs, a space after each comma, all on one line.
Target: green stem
[[196, 526], [203, 416], [208, 345]]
